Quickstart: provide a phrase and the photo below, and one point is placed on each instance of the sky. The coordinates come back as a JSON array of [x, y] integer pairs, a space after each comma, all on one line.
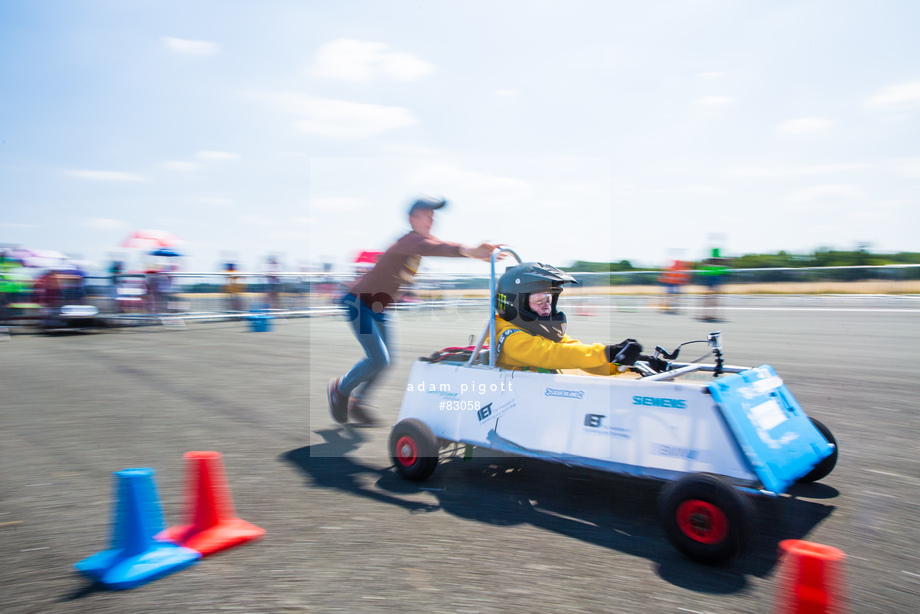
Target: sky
[[601, 130]]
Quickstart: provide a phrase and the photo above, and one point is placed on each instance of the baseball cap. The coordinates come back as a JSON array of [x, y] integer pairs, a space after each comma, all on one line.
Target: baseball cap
[[426, 202]]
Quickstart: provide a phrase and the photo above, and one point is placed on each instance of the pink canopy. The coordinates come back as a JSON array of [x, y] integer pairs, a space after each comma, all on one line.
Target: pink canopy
[[151, 239]]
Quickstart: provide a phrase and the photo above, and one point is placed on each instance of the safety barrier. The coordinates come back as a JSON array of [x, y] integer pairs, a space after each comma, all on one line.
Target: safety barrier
[[134, 299]]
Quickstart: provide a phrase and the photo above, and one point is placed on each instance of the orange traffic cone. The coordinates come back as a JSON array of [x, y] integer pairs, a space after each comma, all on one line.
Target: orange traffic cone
[[810, 579], [212, 522]]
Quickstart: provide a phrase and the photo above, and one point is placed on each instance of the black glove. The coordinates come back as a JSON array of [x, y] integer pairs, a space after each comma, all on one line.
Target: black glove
[[624, 353], [657, 364]]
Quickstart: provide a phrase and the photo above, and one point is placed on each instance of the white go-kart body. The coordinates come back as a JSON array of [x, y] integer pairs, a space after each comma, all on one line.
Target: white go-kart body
[[660, 429]]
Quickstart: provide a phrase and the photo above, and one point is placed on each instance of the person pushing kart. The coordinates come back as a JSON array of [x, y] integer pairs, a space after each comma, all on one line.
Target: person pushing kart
[[530, 330], [368, 299]]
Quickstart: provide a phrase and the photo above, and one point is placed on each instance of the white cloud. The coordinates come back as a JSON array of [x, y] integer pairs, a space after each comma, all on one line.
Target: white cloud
[[794, 171], [712, 75], [340, 119], [507, 93], [360, 61], [906, 167], [413, 151], [214, 200], [216, 156], [298, 235], [180, 166], [823, 193], [103, 223], [702, 189], [895, 96], [107, 175], [451, 178], [258, 220], [893, 205], [185, 166], [337, 203], [803, 125], [715, 101], [191, 47]]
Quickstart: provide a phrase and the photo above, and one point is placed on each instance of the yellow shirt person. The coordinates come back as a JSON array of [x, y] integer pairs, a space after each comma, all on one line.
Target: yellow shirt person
[[530, 331]]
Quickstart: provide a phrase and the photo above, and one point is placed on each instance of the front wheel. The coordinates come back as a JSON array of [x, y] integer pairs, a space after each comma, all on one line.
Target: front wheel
[[413, 449], [706, 518], [824, 468]]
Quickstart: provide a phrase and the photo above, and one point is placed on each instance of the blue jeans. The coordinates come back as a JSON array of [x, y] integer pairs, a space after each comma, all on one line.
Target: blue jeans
[[375, 334]]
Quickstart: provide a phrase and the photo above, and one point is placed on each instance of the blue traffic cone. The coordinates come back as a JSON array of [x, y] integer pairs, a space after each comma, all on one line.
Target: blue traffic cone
[[135, 556]]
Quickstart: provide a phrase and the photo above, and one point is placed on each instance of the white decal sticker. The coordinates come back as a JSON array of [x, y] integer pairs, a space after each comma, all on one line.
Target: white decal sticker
[[768, 415]]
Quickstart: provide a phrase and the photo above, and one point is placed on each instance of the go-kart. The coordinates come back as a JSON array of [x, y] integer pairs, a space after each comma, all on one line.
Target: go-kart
[[716, 441]]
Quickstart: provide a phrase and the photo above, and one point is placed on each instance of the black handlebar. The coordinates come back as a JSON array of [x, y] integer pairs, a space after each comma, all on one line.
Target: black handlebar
[[715, 347], [663, 352]]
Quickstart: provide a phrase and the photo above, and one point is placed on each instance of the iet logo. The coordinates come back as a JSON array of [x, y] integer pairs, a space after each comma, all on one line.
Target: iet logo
[[485, 412], [593, 420], [675, 451]]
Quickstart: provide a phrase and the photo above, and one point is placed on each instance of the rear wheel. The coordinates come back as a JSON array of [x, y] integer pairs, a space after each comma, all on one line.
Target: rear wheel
[[824, 468], [413, 449], [706, 518]]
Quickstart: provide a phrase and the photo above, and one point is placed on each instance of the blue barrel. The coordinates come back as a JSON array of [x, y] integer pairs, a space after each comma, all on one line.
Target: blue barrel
[[260, 320]]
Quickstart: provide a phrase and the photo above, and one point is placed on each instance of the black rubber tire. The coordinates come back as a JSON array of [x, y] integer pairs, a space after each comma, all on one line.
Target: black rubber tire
[[706, 518], [824, 468], [413, 450]]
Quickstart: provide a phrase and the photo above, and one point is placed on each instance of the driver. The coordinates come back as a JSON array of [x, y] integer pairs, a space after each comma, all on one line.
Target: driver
[[530, 332]]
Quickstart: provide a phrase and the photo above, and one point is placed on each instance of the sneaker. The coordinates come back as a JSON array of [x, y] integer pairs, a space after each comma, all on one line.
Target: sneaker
[[360, 414], [338, 405]]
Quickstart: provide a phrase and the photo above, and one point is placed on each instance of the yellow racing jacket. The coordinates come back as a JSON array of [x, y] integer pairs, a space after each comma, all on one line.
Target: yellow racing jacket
[[520, 350]]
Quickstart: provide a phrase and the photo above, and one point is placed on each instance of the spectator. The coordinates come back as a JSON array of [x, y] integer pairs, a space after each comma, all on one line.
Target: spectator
[[672, 279], [273, 281], [712, 277], [234, 288]]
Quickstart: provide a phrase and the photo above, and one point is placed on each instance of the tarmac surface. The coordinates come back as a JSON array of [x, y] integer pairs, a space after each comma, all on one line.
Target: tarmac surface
[[346, 534]]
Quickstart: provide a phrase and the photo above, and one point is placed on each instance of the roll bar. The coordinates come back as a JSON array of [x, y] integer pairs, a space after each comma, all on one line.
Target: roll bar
[[489, 331]]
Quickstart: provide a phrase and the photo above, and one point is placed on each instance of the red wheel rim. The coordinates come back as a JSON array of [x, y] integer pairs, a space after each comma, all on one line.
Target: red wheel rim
[[702, 521], [406, 451]]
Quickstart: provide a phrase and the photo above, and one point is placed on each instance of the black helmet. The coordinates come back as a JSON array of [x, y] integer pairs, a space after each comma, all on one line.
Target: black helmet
[[512, 298]]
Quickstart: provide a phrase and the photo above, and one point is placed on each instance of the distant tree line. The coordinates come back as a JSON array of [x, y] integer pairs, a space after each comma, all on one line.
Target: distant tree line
[[778, 260], [823, 258]]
